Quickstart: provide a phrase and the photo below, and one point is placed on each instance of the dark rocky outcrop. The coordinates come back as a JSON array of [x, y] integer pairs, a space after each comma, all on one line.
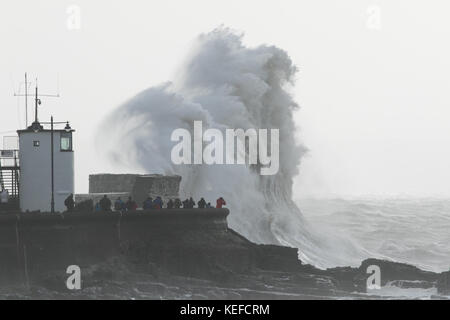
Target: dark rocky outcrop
[[443, 284], [183, 253], [393, 273]]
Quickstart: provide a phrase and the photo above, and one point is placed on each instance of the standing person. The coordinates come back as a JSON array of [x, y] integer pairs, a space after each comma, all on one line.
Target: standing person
[[177, 203], [69, 203], [208, 205], [186, 204], [148, 204], [105, 204], [118, 204], [158, 203], [202, 203], [170, 204], [131, 204], [191, 203], [220, 202]]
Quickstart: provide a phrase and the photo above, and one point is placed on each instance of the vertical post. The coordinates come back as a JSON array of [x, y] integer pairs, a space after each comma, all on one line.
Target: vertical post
[[25, 267], [19, 258], [26, 101], [53, 185], [36, 105], [16, 190], [13, 185]]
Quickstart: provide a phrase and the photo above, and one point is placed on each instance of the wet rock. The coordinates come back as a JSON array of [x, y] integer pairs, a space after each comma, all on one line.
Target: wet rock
[[392, 271], [443, 284]]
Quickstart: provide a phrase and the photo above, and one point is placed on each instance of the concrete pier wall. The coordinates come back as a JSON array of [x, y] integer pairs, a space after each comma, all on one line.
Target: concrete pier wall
[[33, 245]]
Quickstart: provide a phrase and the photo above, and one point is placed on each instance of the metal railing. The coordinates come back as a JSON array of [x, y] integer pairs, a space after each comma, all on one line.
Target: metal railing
[[10, 172]]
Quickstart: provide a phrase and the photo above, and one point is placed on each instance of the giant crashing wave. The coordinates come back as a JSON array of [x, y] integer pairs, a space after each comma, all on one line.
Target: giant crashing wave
[[227, 85]]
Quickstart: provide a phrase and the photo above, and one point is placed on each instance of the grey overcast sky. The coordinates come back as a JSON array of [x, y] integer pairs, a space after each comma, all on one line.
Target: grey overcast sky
[[373, 82]]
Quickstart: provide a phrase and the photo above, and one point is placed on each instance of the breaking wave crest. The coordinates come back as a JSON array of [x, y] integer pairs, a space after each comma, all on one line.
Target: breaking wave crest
[[226, 85]]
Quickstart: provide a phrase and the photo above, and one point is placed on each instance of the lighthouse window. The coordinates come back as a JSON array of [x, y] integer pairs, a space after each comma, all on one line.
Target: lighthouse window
[[66, 141], [36, 143]]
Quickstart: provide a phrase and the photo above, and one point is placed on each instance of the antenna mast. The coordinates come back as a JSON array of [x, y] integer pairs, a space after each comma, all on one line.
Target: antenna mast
[[37, 101], [26, 101]]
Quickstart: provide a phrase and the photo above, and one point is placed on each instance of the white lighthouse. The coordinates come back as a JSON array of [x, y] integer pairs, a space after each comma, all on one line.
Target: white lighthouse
[[46, 165]]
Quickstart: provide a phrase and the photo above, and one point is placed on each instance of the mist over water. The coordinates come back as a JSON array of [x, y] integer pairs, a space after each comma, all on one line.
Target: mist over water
[[409, 230], [226, 85]]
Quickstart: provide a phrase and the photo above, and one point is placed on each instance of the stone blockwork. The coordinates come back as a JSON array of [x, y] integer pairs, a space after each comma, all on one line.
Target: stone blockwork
[[156, 185], [137, 186], [111, 183], [96, 197]]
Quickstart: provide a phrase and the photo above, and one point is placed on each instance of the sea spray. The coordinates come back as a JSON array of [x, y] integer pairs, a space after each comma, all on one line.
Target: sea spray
[[226, 85]]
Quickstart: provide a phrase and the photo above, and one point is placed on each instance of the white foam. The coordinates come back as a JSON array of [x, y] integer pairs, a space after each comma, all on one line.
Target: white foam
[[226, 85]]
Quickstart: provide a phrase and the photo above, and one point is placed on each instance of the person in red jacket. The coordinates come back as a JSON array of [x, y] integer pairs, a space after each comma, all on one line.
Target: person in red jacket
[[131, 204], [220, 202]]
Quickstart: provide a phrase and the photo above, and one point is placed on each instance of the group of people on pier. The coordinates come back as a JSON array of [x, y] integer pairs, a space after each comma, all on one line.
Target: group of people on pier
[[105, 204]]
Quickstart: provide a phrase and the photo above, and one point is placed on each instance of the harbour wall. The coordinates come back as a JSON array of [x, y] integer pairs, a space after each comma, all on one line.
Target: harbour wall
[[184, 241]]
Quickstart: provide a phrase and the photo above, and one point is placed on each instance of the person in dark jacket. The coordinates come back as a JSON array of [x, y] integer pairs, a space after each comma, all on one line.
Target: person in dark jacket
[[69, 203], [191, 203], [202, 203], [170, 204], [186, 204], [177, 203], [148, 204], [105, 204]]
